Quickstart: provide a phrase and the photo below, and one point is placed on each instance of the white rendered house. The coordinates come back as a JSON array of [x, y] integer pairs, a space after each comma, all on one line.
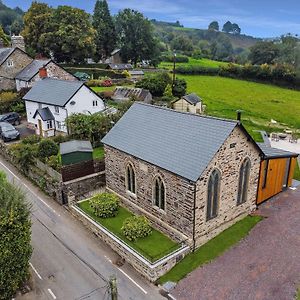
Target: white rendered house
[[51, 101]]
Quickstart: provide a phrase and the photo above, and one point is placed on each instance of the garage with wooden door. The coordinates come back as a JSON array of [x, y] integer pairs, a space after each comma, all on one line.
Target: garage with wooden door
[[276, 172]]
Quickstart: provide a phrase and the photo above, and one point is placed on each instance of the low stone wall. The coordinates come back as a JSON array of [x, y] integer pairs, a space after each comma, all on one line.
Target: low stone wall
[[152, 271], [50, 171]]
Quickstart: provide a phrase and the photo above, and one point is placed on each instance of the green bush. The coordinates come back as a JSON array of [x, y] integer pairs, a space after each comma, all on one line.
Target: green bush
[[15, 231], [178, 59], [136, 227], [60, 139], [105, 205], [54, 162], [94, 83], [46, 149], [9, 100], [32, 139], [24, 154]]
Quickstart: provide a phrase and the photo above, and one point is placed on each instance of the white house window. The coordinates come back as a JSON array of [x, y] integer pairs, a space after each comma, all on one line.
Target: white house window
[[56, 109], [10, 63], [58, 125], [213, 194], [95, 103], [49, 124], [243, 181], [159, 193], [130, 179]]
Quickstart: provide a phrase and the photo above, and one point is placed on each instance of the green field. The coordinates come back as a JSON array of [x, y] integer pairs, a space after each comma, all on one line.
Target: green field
[[153, 247], [260, 102], [204, 62]]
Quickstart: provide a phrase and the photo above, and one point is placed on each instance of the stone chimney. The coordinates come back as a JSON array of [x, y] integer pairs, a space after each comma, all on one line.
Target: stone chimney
[[43, 73], [18, 41]]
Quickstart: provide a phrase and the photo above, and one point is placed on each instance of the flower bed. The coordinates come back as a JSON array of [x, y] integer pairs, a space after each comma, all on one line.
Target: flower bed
[[152, 247]]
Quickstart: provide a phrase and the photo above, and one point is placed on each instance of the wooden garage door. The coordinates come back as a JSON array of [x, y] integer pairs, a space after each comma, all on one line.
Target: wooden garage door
[[272, 175]]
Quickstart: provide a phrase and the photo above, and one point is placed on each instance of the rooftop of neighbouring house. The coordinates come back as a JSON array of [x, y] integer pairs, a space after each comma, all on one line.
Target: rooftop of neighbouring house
[[192, 98], [271, 152], [127, 93], [181, 143], [75, 146], [53, 91], [44, 113], [4, 53], [32, 69]]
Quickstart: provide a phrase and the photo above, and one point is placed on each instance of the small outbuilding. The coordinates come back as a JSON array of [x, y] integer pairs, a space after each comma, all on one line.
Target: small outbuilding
[[276, 172], [74, 152], [189, 103]]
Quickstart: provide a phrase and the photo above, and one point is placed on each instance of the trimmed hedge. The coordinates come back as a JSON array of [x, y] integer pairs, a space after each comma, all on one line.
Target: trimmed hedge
[[136, 227], [105, 205], [178, 59]]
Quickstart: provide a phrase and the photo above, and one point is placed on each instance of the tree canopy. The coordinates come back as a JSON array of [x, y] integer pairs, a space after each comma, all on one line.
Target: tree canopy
[[3, 37], [106, 38], [263, 52], [214, 26], [15, 232]]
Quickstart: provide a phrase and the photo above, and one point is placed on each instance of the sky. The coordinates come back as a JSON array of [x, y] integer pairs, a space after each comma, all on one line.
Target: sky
[[260, 18]]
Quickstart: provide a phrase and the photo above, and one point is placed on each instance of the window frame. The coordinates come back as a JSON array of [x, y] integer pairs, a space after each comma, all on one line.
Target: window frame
[[49, 124], [130, 183], [159, 193], [95, 103], [56, 109], [213, 196], [244, 179], [10, 63]]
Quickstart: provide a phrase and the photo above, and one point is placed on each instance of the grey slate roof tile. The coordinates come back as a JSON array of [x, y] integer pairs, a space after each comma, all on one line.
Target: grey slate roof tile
[[192, 98], [181, 143], [45, 114], [53, 91], [4, 53], [32, 69], [271, 152]]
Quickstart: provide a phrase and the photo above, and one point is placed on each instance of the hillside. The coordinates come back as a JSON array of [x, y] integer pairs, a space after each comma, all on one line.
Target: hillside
[[10, 16], [164, 30]]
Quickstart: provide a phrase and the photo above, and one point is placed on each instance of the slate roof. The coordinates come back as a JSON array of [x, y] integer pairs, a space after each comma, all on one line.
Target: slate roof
[[53, 91], [75, 146], [32, 69], [120, 66], [4, 53], [136, 72], [125, 93], [192, 98], [181, 143], [270, 152], [45, 114]]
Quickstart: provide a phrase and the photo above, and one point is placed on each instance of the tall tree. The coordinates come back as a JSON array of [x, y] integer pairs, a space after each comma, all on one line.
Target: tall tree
[[227, 27], [263, 52], [235, 29], [106, 38], [71, 38], [136, 36], [214, 26], [37, 23], [15, 248], [3, 37]]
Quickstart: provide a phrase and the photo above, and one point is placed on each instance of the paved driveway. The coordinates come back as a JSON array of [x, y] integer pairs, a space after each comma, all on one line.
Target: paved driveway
[[265, 265]]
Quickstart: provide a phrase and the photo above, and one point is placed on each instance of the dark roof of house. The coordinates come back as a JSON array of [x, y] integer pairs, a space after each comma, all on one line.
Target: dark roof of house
[[5, 53], [53, 91], [82, 75], [75, 146], [181, 143], [270, 152], [126, 93], [136, 72], [45, 114], [32, 69], [192, 98], [120, 66]]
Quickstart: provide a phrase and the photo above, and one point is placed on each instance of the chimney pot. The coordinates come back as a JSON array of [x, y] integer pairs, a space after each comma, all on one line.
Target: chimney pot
[[43, 72], [238, 115]]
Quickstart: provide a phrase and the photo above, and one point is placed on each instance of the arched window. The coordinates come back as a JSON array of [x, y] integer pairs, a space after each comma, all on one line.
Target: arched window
[[243, 181], [213, 194], [130, 179], [159, 193]]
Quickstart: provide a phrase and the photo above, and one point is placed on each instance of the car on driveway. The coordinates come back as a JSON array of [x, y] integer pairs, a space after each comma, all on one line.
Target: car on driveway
[[12, 118], [8, 132]]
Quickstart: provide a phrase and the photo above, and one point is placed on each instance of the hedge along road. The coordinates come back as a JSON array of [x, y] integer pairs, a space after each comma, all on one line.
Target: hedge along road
[[68, 262]]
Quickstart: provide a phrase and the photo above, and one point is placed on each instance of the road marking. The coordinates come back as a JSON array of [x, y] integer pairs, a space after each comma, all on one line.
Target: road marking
[[35, 271], [16, 176], [145, 292], [52, 294]]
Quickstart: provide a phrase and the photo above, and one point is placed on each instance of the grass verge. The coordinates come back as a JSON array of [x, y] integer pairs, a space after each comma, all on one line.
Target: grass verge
[[153, 247], [98, 153], [211, 249]]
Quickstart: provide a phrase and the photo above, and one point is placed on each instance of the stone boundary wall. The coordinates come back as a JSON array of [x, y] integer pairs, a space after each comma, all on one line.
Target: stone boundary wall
[[151, 271], [50, 171]]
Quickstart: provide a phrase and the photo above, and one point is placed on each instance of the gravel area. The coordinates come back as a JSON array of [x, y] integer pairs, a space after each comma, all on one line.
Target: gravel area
[[265, 265]]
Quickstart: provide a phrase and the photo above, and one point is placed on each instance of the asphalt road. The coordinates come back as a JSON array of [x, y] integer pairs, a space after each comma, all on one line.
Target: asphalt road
[[68, 262]]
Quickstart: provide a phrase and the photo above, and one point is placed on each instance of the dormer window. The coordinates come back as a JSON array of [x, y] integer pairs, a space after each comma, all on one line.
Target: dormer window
[[10, 63]]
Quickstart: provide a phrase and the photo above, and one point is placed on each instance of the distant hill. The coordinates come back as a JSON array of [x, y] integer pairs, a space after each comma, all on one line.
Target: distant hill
[[10, 16], [164, 29]]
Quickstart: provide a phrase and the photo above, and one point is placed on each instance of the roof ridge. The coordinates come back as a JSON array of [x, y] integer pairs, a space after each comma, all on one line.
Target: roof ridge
[[186, 113]]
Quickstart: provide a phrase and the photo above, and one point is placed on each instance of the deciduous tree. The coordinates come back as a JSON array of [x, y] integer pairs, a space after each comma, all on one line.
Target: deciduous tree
[[214, 26]]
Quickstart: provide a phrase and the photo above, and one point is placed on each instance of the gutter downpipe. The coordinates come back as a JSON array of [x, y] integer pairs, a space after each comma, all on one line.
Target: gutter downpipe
[[194, 221]]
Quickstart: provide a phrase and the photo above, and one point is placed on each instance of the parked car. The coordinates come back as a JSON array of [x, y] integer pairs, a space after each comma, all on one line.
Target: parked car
[[12, 118], [8, 132]]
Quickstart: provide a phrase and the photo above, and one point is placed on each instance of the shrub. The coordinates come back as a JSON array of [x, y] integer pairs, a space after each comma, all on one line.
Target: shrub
[[178, 59], [54, 162], [24, 155], [179, 88], [105, 205], [61, 139], [136, 227], [94, 82], [46, 149], [8, 100], [32, 139]]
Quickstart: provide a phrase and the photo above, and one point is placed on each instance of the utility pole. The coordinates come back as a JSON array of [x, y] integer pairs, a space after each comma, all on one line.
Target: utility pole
[[113, 288], [174, 68]]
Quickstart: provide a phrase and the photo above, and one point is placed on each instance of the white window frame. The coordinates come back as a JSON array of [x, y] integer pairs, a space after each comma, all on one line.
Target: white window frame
[[56, 109], [49, 124]]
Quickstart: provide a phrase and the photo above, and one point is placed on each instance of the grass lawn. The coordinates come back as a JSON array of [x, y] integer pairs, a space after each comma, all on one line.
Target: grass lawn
[[260, 102], [297, 173], [153, 247], [99, 89], [204, 62], [298, 294], [98, 153], [211, 249]]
